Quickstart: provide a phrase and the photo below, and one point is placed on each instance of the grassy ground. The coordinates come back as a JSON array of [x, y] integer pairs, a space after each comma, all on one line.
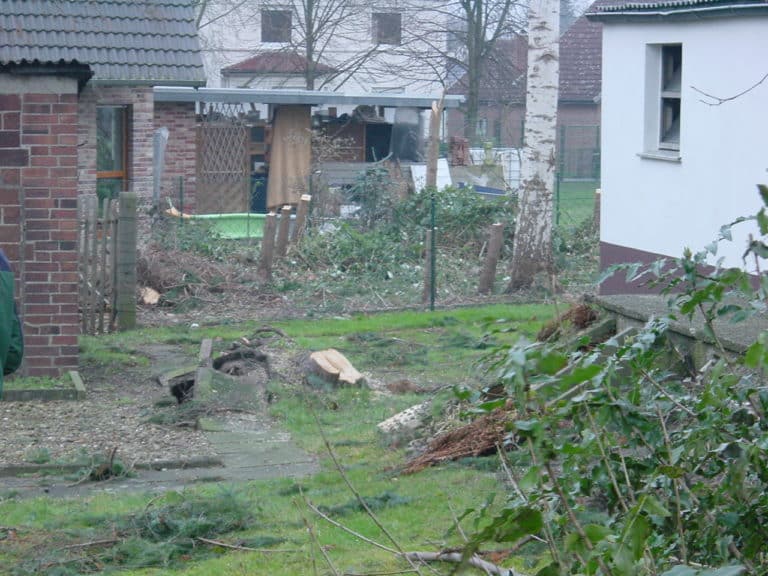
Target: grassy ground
[[575, 202], [141, 535]]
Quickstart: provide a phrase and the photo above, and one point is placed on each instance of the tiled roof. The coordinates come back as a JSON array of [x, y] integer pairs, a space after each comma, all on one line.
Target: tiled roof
[[142, 41], [580, 67], [670, 7], [275, 63], [581, 61]]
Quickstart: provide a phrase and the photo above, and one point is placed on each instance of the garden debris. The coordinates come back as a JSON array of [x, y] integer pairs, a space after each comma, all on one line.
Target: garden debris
[[332, 367], [578, 317], [480, 437], [406, 425]]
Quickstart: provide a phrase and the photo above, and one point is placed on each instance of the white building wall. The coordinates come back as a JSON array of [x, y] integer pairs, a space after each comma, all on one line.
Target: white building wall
[[661, 206], [235, 35]]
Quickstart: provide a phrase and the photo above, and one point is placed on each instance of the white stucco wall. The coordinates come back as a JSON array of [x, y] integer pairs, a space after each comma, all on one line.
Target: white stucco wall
[[660, 206]]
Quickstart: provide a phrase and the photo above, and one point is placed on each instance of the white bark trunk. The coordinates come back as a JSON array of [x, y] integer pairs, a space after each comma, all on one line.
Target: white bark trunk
[[532, 251]]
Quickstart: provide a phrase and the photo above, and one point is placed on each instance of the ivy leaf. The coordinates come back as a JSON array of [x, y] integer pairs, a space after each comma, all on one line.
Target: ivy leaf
[[635, 534], [763, 189], [762, 221], [680, 570], [724, 571], [512, 524], [549, 570]]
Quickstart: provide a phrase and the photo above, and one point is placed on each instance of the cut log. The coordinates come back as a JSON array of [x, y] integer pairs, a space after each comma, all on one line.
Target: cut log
[[149, 295], [333, 367]]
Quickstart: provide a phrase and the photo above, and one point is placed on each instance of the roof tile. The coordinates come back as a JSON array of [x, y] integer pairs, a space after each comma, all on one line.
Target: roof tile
[[114, 37]]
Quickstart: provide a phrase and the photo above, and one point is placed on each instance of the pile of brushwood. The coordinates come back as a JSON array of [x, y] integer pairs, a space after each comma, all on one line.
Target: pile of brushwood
[[620, 466]]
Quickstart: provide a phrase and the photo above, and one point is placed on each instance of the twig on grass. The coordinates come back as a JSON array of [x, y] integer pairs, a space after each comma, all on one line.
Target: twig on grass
[[357, 495], [91, 543], [316, 542], [243, 548], [346, 529]]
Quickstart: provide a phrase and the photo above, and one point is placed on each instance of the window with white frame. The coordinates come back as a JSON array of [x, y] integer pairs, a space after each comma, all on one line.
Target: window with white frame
[[663, 101], [276, 25], [671, 74], [387, 28]]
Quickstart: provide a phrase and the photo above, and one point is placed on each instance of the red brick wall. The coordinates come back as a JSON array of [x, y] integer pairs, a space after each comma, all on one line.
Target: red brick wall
[[38, 186], [511, 120], [181, 151]]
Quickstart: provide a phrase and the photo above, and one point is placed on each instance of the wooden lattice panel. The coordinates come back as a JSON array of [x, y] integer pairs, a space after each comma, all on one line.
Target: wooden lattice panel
[[223, 170]]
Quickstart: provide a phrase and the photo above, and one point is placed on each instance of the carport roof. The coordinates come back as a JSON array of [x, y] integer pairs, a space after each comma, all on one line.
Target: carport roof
[[305, 97]]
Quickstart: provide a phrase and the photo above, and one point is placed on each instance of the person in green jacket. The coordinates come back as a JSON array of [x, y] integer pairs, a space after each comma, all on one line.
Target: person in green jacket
[[11, 338]]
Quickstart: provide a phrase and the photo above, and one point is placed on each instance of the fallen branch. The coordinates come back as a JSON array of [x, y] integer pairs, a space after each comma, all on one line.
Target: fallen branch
[[457, 558], [91, 543], [348, 530], [243, 548]]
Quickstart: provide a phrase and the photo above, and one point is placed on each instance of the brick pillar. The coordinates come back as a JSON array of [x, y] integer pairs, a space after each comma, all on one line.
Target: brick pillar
[[38, 175]]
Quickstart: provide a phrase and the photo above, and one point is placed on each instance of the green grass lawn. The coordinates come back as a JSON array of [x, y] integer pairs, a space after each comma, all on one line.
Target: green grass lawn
[[135, 534], [575, 202]]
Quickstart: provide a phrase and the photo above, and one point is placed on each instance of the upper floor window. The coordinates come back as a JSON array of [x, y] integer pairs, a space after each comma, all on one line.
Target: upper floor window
[[663, 100], [387, 28], [276, 25], [671, 74]]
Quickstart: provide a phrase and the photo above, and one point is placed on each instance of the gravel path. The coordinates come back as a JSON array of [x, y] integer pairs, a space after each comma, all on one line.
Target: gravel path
[[114, 414]]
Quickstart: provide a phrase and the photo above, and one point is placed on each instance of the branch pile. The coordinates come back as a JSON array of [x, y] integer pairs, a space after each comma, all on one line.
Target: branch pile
[[478, 438]]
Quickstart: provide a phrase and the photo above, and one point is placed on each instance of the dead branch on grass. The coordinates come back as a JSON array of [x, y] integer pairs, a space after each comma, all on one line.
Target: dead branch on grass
[[243, 548]]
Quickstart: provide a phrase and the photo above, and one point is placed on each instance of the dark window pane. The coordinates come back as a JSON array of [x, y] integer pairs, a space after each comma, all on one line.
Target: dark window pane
[[110, 138], [387, 28], [275, 25]]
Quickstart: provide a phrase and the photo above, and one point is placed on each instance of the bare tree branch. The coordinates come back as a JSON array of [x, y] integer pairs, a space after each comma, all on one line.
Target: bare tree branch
[[717, 100]]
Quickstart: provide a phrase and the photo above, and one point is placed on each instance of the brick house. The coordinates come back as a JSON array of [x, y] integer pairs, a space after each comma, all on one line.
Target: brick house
[[501, 114], [77, 116]]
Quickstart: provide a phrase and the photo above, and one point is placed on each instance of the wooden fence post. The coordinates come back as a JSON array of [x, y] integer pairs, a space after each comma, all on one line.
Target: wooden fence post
[[126, 263], [488, 275], [267, 248], [282, 232], [301, 218]]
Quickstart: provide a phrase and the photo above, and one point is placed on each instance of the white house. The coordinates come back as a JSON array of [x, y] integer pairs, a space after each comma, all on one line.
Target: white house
[[360, 47], [684, 126]]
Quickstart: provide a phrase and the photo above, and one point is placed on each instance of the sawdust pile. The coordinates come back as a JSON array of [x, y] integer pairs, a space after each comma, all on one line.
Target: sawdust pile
[[478, 438]]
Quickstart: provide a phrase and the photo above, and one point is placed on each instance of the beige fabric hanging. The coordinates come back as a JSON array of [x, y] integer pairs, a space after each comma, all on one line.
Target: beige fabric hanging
[[289, 156]]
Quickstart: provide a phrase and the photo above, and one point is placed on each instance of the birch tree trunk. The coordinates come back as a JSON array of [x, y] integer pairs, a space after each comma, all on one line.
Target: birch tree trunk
[[532, 249]]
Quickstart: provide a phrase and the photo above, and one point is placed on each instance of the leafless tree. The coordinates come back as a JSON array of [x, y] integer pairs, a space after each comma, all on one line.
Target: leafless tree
[[325, 37], [456, 40]]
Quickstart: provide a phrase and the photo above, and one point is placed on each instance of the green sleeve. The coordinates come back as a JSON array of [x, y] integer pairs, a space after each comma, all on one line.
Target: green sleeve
[[16, 347]]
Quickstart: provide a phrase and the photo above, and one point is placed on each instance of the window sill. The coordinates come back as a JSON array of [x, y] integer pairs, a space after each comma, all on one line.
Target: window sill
[[663, 155]]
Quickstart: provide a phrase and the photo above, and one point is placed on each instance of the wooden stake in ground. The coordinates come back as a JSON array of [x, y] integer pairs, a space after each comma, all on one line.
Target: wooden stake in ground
[[301, 217], [488, 274], [267, 248], [282, 232]]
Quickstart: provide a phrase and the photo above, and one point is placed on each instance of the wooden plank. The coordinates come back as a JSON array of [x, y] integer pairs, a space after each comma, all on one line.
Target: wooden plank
[[488, 274], [264, 271], [126, 263], [301, 217], [102, 283], [83, 261], [282, 232], [93, 215]]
